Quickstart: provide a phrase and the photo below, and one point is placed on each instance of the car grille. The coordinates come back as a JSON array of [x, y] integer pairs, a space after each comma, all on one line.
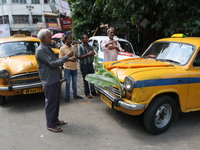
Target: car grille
[[25, 78], [111, 90]]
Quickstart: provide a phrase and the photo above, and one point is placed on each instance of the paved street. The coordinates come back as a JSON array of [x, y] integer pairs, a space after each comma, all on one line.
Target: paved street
[[91, 126]]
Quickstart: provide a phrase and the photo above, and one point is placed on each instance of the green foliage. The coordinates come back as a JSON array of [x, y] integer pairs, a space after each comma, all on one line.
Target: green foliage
[[168, 17], [102, 77], [165, 17], [100, 80]]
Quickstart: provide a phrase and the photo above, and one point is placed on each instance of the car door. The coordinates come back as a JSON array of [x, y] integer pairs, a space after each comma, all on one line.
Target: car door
[[193, 102]]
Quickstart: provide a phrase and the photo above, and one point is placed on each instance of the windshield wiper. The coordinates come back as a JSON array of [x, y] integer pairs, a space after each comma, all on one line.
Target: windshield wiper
[[169, 60]]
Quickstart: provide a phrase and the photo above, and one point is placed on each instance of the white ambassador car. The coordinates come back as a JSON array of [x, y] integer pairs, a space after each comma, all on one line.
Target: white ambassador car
[[128, 51]]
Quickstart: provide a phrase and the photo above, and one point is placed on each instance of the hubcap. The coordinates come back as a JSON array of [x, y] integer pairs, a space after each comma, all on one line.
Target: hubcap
[[163, 115]]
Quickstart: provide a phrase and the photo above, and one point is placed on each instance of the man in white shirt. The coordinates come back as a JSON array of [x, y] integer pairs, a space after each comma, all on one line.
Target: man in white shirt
[[110, 46]]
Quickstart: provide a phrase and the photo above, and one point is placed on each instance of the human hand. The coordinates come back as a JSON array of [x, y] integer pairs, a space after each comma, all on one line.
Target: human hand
[[111, 47], [109, 43], [73, 59], [114, 42], [117, 49], [91, 52], [70, 54]]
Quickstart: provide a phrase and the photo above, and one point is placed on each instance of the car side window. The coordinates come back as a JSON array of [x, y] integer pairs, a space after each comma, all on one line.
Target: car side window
[[95, 46], [126, 46], [196, 62]]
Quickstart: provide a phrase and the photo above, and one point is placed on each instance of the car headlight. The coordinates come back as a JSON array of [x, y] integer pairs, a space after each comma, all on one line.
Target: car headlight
[[128, 83], [4, 74]]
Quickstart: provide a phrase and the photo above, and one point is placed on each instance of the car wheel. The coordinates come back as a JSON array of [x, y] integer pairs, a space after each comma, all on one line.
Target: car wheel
[[2, 100], [160, 114]]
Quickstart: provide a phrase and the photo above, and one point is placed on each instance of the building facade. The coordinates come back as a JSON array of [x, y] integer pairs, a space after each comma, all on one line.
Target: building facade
[[29, 16]]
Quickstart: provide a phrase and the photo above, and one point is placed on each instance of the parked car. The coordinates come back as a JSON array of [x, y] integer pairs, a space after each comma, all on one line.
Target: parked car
[[163, 82], [18, 66], [128, 51]]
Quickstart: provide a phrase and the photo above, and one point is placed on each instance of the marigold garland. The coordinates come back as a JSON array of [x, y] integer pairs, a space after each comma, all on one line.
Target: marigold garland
[[112, 65]]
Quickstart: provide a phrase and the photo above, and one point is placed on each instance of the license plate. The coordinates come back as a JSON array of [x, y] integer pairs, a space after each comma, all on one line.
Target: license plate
[[106, 100], [33, 90]]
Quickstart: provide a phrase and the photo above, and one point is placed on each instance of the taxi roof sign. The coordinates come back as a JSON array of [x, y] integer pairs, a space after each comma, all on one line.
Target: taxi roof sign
[[180, 35]]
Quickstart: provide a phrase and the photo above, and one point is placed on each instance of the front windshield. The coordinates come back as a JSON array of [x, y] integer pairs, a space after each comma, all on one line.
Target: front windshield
[[178, 53], [18, 48]]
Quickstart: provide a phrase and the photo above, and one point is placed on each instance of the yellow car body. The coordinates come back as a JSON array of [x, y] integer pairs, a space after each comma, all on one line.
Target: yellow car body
[[148, 83], [18, 66]]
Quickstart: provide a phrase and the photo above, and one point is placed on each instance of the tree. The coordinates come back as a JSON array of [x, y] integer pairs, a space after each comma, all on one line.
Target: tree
[[167, 17], [86, 17], [163, 18]]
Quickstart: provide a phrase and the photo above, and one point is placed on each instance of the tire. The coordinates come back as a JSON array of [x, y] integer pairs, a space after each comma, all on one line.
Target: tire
[[160, 114], [2, 100]]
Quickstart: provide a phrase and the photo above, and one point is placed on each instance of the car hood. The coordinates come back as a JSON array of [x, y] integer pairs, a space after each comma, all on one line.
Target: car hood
[[19, 64], [142, 69]]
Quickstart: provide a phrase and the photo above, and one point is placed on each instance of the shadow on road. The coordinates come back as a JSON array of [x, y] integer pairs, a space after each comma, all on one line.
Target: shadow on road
[[186, 126], [24, 103]]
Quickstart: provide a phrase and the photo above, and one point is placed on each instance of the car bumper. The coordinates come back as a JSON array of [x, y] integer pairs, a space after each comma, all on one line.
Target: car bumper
[[17, 87], [118, 102]]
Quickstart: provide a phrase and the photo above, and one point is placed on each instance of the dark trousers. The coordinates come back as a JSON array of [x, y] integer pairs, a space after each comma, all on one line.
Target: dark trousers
[[52, 103], [87, 69]]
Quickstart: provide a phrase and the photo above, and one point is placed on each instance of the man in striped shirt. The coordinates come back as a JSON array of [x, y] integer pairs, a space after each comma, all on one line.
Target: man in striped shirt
[[86, 55]]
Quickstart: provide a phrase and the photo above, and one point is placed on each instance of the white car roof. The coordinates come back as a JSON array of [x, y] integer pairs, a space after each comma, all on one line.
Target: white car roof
[[100, 38]]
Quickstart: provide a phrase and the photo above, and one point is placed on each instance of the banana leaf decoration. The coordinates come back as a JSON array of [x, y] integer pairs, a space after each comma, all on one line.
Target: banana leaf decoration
[[102, 77]]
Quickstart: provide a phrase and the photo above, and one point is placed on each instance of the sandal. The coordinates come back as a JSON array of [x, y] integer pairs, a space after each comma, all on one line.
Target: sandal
[[89, 96], [54, 129], [61, 122]]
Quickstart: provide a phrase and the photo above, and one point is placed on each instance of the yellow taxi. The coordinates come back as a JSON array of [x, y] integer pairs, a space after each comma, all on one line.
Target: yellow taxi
[[18, 66], [163, 82]]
